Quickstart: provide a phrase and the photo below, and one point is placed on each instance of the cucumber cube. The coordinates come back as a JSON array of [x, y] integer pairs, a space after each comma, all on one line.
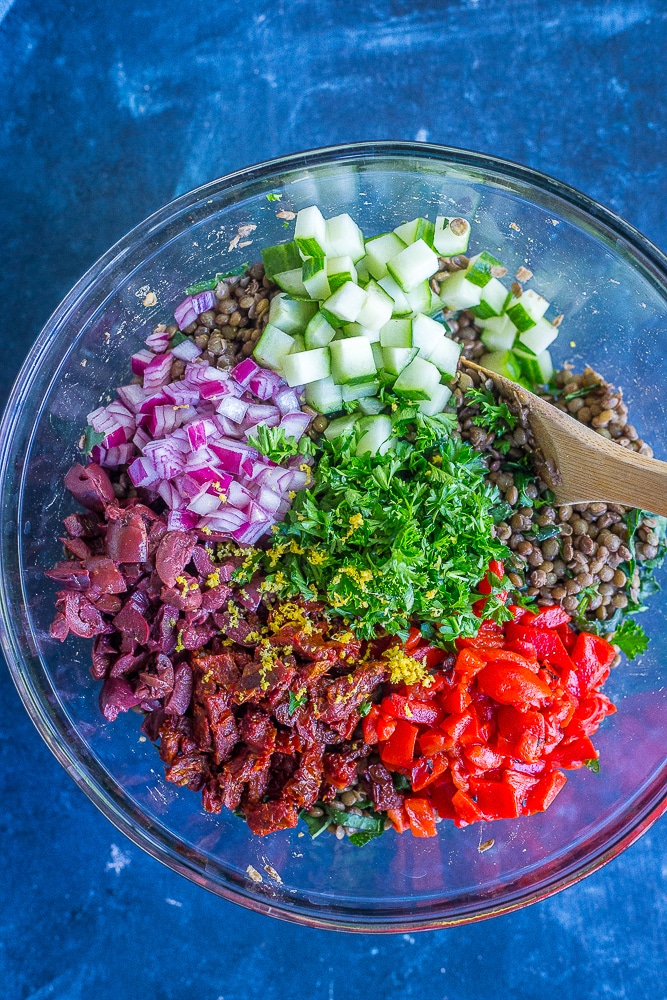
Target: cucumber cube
[[445, 356], [437, 403], [379, 250], [420, 299], [503, 363], [376, 438], [362, 390], [314, 277], [310, 232], [536, 370], [458, 293], [539, 337], [299, 343], [377, 309], [343, 238], [283, 257], [340, 426], [479, 268], [307, 366], [426, 335], [413, 265], [395, 359], [352, 360], [451, 236], [292, 283], [319, 332], [418, 380], [340, 270], [273, 347], [493, 300], [499, 333], [370, 405], [324, 396], [346, 303], [357, 330], [401, 305], [418, 229], [526, 310], [396, 333], [291, 315], [378, 359]]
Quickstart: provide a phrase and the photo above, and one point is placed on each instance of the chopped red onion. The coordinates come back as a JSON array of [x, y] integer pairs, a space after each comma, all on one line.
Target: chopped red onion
[[233, 408], [206, 503], [179, 393], [225, 519], [269, 500], [238, 496], [294, 424], [142, 472], [140, 360], [158, 371], [187, 350], [260, 413], [141, 438], [286, 400], [181, 520], [132, 396], [264, 383], [244, 371], [197, 434], [158, 341], [186, 312]]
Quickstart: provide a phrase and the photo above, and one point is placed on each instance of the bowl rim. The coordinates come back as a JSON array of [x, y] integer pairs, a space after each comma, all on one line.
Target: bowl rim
[[93, 785]]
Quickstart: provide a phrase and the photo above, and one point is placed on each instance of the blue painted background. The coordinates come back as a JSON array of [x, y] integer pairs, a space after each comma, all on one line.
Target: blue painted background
[[108, 110]]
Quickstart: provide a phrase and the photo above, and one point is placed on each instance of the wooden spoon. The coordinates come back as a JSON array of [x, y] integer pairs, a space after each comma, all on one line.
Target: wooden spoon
[[581, 466]]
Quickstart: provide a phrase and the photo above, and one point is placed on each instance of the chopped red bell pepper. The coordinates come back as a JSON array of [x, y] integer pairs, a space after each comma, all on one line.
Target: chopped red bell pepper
[[400, 819], [399, 750], [513, 685], [572, 754], [468, 663], [483, 757], [369, 725], [549, 617], [421, 815], [433, 741], [544, 792], [430, 656], [467, 811], [418, 712], [427, 769], [592, 656], [384, 726], [495, 799], [456, 701], [413, 641]]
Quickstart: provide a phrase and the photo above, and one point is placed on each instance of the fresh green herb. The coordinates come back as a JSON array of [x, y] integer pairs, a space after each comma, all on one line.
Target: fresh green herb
[[363, 837], [316, 824], [365, 708], [296, 701], [584, 598], [541, 532], [285, 224], [383, 539], [272, 442], [631, 638], [272, 196], [177, 338], [90, 439], [401, 783], [493, 416], [593, 764], [368, 825], [208, 285], [582, 392]]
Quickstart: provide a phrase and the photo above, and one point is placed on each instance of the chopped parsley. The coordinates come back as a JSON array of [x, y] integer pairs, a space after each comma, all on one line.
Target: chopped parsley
[[209, 284], [382, 540], [631, 638], [368, 824], [272, 442], [593, 764], [365, 708], [297, 701], [493, 416], [90, 439], [272, 196]]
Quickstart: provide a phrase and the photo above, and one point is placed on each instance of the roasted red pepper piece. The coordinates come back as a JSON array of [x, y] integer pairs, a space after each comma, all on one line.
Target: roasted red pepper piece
[[467, 811], [369, 725], [399, 818], [544, 792], [548, 644], [521, 734], [384, 727], [399, 750], [592, 656], [550, 617], [483, 758], [427, 769], [433, 741], [510, 684], [422, 816], [456, 701], [413, 641], [588, 715], [468, 663], [573, 754], [418, 712], [430, 656], [495, 799]]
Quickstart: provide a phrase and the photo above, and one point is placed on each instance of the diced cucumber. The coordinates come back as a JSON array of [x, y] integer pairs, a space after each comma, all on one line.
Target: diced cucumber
[[396, 333], [458, 293], [377, 436], [527, 309], [319, 332], [379, 250], [363, 273], [401, 305], [340, 426], [378, 359], [395, 359], [307, 366], [378, 307], [499, 333], [362, 390], [314, 277], [451, 236], [503, 363], [418, 229], [299, 343], [357, 330], [539, 337], [371, 405], [426, 335], [324, 396], [537, 370], [418, 380], [273, 347], [346, 303], [340, 270], [479, 268], [292, 283], [291, 315], [493, 300], [343, 238], [445, 356], [421, 298], [310, 232], [437, 403], [413, 265], [283, 257], [352, 360]]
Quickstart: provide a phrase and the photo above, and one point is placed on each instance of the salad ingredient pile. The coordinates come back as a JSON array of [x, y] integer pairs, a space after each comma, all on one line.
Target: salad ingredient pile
[[316, 555]]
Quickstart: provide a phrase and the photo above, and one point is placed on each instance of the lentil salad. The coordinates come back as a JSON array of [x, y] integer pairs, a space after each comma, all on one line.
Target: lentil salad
[[264, 697]]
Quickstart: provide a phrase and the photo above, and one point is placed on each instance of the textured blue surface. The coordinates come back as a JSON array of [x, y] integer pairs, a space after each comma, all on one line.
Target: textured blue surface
[[106, 112]]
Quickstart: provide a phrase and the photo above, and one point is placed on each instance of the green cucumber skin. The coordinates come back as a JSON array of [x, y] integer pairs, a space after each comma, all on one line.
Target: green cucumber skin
[[282, 257]]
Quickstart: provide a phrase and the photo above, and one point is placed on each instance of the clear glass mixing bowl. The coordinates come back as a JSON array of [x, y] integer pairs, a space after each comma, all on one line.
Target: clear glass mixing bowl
[[612, 286]]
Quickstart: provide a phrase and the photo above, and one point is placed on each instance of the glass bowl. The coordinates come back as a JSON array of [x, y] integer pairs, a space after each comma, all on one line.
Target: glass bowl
[[610, 282]]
